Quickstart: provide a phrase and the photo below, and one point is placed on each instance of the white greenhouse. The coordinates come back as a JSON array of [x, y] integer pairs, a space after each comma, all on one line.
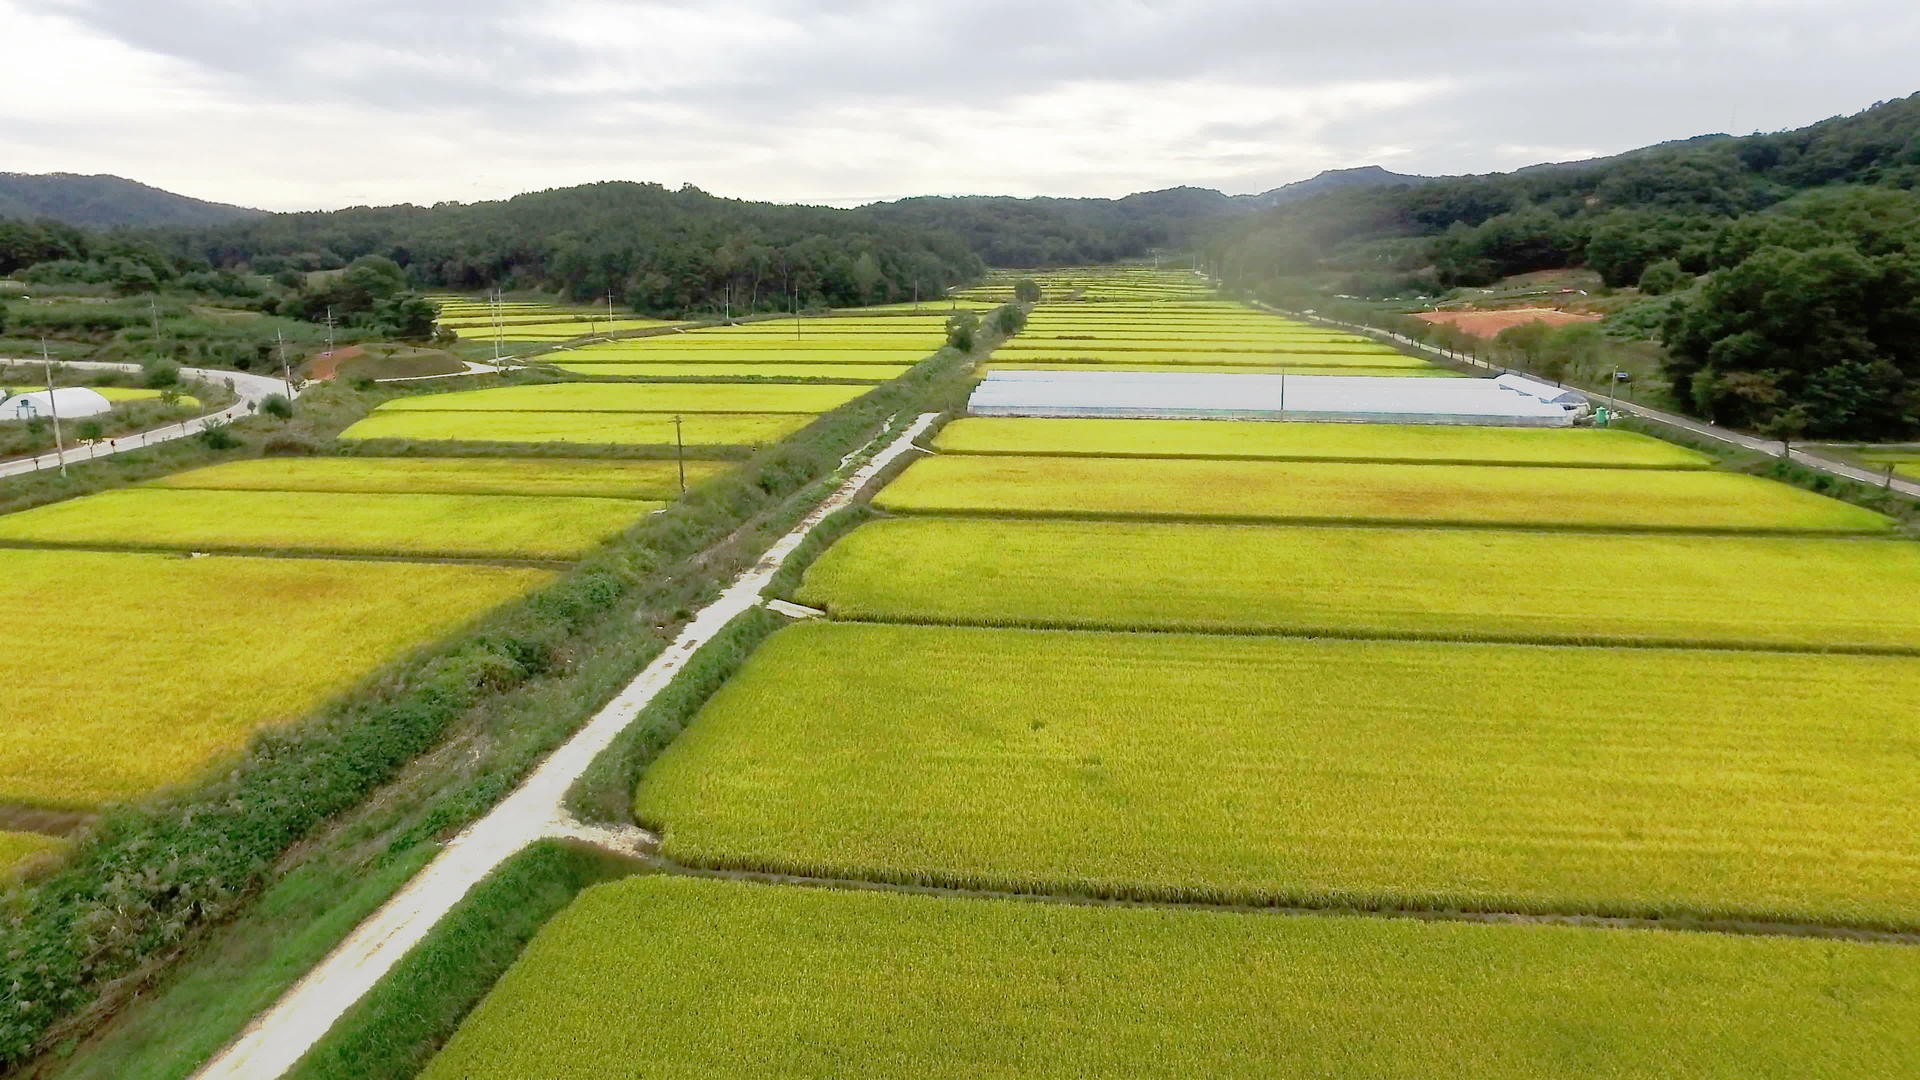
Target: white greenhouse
[[1511, 401]]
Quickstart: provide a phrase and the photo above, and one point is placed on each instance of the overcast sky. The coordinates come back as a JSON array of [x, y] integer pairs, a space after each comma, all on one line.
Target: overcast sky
[[298, 105]]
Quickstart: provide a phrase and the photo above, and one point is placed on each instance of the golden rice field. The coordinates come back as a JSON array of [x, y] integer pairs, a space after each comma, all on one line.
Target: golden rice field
[[16, 847], [1519, 778], [165, 664], [1905, 464], [630, 979], [582, 428], [1436, 443], [464, 526], [630, 397], [748, 353], [448, 476], [1443, 583], [1228, 369], [1368, 493], [115, 394], [873, 373]]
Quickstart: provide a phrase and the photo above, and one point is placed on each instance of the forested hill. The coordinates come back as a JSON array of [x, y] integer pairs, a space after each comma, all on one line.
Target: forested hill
[[105, 202], [656, 250], [1617, 214], [1031, 232], [1780, 273]]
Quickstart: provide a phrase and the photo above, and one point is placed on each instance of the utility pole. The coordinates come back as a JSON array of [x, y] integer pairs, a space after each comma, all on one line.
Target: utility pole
[[680, 448], [53, 406], [329, 331], [499, 321], [286, 370], [609, 314]]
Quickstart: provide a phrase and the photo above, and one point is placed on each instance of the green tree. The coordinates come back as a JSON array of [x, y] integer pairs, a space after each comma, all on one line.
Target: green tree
[[1663, 277], [1027, 291], [963, 328]]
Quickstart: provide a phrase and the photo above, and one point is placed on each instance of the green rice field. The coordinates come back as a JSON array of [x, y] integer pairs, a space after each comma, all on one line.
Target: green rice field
[[1597, 447], [479, 526], [635, 977], [874, 373], [166, 664], [769, 353], [448, 476], [628, 397], [583, 428], [1444, 583], [1634, 782], [1367, 493]]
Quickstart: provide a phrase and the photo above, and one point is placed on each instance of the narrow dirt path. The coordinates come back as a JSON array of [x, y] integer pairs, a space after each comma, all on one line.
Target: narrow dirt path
[[277, 1038]]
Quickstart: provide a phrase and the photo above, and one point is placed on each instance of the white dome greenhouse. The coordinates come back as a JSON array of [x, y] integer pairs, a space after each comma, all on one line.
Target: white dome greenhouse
[[68, 401]]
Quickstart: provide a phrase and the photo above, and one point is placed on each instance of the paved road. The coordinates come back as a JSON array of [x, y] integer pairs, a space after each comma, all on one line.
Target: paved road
[[251, 388], [534, 811], [1811, 458]]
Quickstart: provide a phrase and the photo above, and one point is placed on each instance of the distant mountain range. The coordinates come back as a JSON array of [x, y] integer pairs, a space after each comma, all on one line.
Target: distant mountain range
[[102, 201]]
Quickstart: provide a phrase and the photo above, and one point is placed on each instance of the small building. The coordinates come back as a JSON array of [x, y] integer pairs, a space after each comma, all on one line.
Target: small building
[[70, 402]]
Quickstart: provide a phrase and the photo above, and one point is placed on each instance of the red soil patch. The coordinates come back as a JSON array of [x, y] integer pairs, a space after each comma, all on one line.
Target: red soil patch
[[324, 366], [1488, 324]]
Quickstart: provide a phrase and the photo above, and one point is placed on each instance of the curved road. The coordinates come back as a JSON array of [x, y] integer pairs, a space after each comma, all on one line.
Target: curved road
[[251, 388]]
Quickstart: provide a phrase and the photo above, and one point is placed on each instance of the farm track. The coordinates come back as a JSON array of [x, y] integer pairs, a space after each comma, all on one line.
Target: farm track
[[534, 811]]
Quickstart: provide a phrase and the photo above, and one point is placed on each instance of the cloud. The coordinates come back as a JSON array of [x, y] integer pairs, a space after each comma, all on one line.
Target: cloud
[[294, 105]]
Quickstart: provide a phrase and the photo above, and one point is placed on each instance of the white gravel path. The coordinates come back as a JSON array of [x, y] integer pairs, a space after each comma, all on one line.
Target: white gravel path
[[279, 1037]]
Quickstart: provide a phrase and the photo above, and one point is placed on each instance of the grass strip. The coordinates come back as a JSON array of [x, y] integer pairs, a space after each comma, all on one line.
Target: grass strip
[[583, 478]]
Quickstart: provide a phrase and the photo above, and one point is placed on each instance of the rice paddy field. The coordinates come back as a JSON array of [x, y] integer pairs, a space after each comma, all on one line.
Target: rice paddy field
[[1371, 493], [543, 527], [632, 397], [188, 665], [1302, 771], [820, 983], [1469, 584], [16, 847], [1905, 463], [649, 480], [1274, 676], [1434, 443], [582, 428], [739, 370], [474, 318]]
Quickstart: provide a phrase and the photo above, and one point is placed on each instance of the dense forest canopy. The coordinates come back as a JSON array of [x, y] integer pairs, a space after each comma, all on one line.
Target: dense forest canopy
[[1787, 265], [655, 250]]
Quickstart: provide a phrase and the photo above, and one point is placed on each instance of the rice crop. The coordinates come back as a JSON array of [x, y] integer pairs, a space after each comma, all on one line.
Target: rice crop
[[1904, 464], [167, 663], [1368, 493], [1443, 583], [1305, 357], [582, 428], [114, 394], [821, 983], [1634, 782], [1230, 369], [629, 397], [873, 373], [481, 526], [1600, 447], [556, 331], [448, 476], [750, 353], [18, 846]]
